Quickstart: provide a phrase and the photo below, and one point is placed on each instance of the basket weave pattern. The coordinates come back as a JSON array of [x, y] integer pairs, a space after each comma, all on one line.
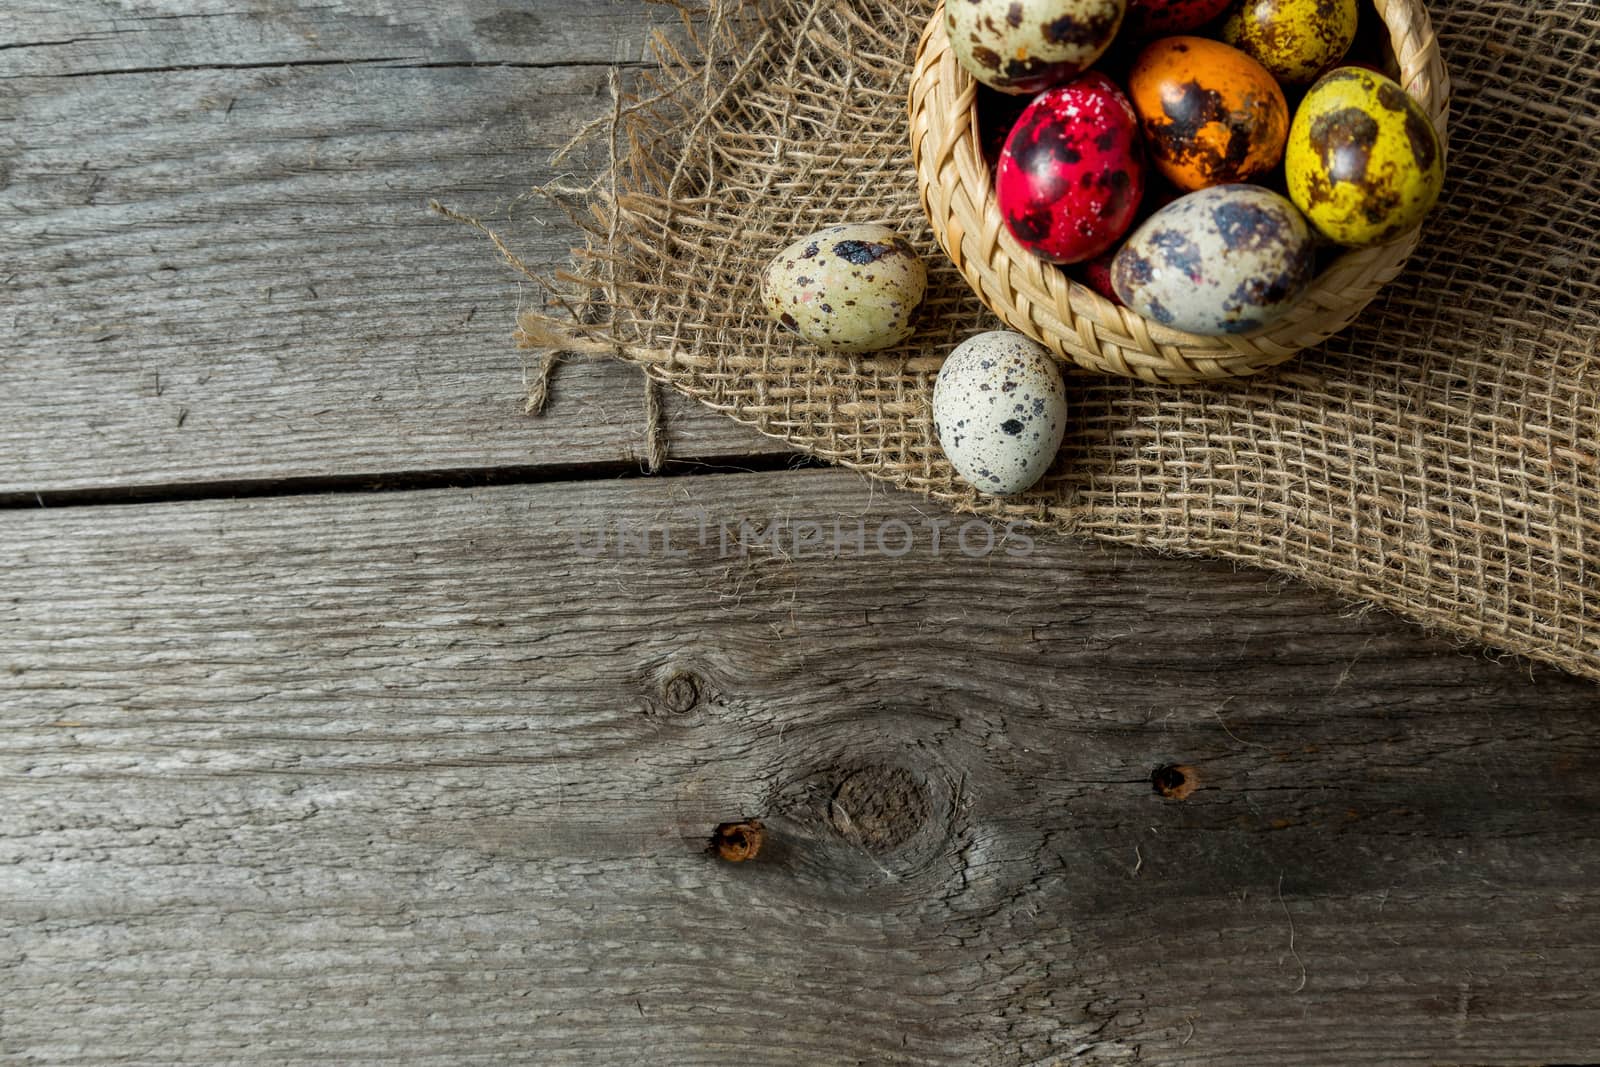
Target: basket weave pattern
[[1078, 324], [1440, 457]]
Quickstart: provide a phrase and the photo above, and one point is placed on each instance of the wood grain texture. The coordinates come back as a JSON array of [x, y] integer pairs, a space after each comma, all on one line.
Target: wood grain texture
[[220, 267], [80, 37], [416, 776]]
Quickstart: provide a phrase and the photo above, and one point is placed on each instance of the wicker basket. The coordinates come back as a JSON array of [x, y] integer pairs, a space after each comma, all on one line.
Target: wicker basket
[[1040, 300]]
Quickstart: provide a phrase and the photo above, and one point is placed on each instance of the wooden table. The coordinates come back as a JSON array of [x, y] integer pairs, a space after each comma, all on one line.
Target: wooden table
[[327, 737]]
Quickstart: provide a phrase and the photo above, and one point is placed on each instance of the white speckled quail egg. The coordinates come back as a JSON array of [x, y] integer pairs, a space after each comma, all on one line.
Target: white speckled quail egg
[[1000, 408], [1026, 46], [847, 288], [1228, 259]]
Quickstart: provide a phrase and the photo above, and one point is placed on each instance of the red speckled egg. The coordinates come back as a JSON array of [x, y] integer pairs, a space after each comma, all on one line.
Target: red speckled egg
[[1096, 272], [1154, 17], [1072, 172]]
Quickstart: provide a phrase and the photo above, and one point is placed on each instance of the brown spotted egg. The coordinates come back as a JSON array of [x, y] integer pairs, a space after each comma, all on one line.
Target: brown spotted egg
[[849, 288], [1223, 260], [1026, 46], [1000, 409]]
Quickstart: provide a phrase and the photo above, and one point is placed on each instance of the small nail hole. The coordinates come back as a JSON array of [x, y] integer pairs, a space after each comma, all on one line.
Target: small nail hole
[[737, 842], [1175, 781]]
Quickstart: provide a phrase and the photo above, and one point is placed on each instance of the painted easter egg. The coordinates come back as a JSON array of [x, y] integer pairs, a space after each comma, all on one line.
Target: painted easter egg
[[999, 410], [1364, 163], [1229, 259], [1211, 115], [849, 288], [1071, 175], [1026, 46], [1096, 272], [1296, 40], [1150, 18]]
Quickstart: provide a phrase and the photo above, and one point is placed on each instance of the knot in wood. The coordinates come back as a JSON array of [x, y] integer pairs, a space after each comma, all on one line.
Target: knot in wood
[[879, 808], [681, 693], [737, 842]]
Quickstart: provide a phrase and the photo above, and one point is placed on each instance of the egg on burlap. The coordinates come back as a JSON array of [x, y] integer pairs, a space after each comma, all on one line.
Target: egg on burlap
[[850, 288], [1000, 410]]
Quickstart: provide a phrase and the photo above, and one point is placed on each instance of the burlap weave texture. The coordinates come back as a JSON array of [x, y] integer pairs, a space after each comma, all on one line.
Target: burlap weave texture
[[1441, 458]]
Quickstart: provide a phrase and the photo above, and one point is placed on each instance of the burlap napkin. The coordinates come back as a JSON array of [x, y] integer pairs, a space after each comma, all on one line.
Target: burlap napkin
[[1441, 458]]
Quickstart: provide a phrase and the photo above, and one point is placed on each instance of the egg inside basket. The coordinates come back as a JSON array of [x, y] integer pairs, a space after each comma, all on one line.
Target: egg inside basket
[[950, 125]]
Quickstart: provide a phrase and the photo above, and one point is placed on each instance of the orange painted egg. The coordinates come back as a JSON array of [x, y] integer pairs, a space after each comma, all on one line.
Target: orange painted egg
[[1211, 115]]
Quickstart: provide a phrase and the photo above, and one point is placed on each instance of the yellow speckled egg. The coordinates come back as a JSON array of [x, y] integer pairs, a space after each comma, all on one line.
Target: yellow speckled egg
[[1295, 39], [1363, 161]]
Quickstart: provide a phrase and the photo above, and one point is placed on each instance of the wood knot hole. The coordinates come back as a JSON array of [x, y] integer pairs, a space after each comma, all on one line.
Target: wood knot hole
[[879, 808], [1175, 781], [681, 693], [737, 842]]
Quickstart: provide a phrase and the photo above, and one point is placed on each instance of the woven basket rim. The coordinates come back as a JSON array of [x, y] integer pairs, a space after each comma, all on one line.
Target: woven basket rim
[[1079, 325]]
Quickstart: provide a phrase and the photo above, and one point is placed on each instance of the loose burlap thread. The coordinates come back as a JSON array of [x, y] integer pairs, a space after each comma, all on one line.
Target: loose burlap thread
[[1441, 458]]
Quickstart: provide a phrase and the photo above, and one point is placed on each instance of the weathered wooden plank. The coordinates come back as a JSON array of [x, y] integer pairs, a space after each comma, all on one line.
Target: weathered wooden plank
[[78, 37], [409, 775], [224, 275]]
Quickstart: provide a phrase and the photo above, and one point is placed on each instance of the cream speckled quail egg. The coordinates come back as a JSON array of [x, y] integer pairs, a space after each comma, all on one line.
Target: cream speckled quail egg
[[1228, 259], [849, 288], [1000, 409], [1026, 46]]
